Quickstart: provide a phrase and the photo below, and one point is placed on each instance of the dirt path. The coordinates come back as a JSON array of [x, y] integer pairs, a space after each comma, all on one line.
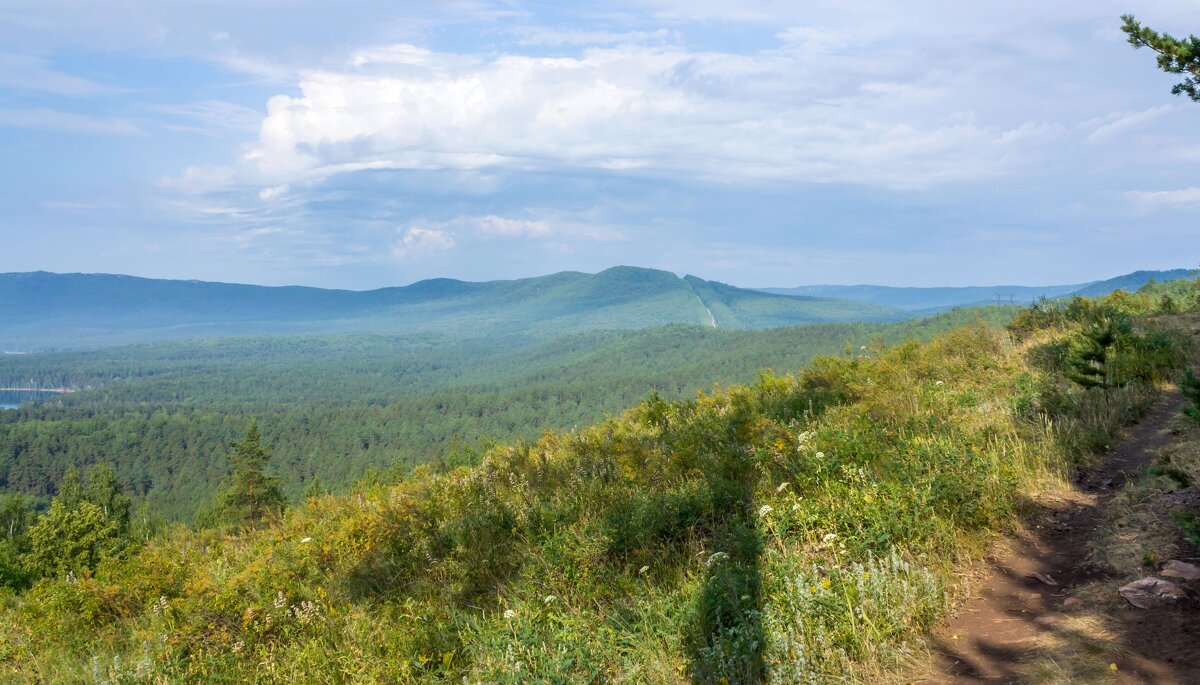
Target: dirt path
[[1018, 624]]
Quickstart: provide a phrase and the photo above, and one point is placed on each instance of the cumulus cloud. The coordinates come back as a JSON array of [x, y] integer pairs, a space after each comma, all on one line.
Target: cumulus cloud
[[416, 240], [771, 116]]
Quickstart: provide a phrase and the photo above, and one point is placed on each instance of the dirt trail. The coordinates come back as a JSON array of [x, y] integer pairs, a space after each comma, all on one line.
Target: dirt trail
[[1016, 619]]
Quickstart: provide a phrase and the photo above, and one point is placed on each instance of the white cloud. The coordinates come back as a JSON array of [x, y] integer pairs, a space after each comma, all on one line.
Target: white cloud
[[268, 194], [30, 73], [417, 239], [1118, 123], [212, 116], [1156, 199], [560, 37], [498, 225], [585, 226], [66, 122], [769, 116]]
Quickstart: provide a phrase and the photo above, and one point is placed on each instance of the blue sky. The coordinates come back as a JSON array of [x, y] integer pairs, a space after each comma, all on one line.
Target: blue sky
[[757, 143]]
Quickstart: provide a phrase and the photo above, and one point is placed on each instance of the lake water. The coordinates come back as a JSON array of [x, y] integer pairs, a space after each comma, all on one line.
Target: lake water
[[12, 400]]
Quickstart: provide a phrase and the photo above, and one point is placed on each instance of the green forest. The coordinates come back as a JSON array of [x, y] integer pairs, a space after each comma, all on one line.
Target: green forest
[[782, 528], [334, 408]]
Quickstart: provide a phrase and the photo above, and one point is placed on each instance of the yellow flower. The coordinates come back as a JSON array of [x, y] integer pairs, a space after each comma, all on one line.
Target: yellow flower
[[812, 589], [1112, 667], [825, 584], [866, 575]]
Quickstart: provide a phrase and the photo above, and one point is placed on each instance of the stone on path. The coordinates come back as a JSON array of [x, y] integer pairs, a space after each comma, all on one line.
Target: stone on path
[[1149, 592], [1181, 569]]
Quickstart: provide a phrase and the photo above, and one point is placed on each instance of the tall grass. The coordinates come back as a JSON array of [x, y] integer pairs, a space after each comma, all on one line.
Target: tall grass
[[800, 529]]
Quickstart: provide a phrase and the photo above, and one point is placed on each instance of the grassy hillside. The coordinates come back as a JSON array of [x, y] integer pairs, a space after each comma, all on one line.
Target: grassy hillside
[[798, 529], [335, 407], [58, 311]]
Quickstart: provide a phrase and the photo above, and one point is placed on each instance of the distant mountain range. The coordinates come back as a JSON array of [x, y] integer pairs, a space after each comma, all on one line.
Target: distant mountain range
[[40, 310], [44, 310], [920, 301]]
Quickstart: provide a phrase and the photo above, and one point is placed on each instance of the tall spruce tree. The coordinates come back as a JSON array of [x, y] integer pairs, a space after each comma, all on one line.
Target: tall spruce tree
[[1175, 55], [250, 493]]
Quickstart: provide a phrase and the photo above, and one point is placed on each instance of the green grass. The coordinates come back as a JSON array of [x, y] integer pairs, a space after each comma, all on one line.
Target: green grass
[[798, 529]]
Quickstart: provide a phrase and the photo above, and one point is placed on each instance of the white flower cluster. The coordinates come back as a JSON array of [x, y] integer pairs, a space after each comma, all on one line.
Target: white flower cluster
[[716, 558], [306, 612]]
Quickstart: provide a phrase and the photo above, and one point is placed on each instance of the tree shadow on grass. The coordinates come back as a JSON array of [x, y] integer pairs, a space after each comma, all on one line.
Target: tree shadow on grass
[[727, 641]]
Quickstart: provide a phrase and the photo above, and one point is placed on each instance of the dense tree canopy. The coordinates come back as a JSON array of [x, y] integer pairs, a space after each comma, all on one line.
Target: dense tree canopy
[[1175, 55], [250, 494]]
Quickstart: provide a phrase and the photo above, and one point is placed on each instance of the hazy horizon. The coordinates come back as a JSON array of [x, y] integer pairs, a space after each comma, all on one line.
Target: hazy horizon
[[752, 286]]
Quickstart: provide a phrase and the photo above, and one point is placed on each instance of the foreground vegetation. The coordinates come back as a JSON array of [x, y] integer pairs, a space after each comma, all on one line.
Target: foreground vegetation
[[335, 408], [798, 529]]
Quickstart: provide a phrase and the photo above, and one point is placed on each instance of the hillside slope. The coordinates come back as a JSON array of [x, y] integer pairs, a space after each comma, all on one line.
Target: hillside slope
[[43, 310], [800, 529], [337, 406]]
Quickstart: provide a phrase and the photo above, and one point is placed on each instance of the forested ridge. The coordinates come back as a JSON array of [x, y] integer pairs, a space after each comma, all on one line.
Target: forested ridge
[[46, 311], [799, 528], [334, 407]]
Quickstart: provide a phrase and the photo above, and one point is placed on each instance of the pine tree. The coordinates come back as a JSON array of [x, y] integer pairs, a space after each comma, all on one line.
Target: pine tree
[[1175, 55], [1090, 358], [250, 494]]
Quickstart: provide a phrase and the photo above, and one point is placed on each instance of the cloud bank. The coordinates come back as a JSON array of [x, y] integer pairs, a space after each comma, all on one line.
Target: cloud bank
[[770, 116]]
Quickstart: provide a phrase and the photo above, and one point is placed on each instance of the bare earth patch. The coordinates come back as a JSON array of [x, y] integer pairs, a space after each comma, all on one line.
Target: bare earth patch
[[1048, 610]]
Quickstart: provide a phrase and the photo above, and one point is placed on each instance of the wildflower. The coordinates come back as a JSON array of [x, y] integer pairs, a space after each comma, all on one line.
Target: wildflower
[[1112, 667], [305, 541], [642, 570], [548, 599], [280, 600], [716, 557], [782, 486], [509, 613], [939, 383], [829, 537], [796, 506], [825, 584], [820, 455], [866, 575], [812, 589], [764, 510]]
